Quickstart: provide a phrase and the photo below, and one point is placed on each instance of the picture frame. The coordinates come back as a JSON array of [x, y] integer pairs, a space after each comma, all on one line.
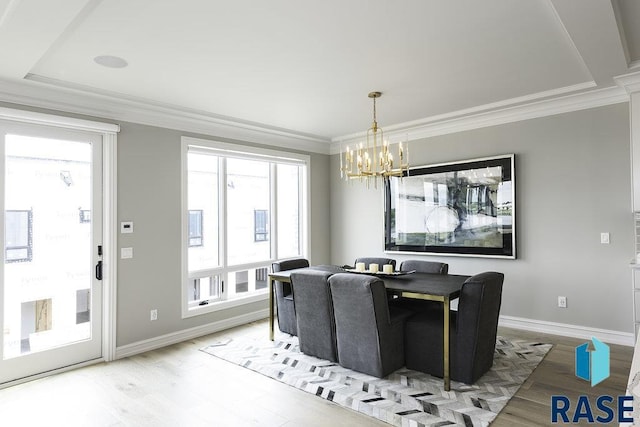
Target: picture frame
[[464, 208]]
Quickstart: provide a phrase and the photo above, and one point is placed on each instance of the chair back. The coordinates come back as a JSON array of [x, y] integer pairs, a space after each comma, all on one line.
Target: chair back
[[314, 314], [425, 266], [289, 264], [367, 339], [284, 295], [374, 260], [477, 322], [284, 289]]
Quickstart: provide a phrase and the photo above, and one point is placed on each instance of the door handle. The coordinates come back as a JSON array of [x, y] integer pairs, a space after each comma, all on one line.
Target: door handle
[[99, 270]]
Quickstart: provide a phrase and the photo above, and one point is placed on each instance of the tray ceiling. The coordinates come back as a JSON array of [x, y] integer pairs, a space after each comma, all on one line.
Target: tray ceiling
[[306, 68]]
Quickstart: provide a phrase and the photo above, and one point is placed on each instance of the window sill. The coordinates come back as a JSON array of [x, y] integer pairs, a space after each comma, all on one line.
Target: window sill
[[223, 305]]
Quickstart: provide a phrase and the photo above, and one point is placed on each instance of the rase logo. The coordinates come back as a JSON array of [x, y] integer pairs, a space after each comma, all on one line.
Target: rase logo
[[592, 364]]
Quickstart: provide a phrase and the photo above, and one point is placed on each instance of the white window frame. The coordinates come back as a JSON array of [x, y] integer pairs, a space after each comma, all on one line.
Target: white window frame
[[244, 152]]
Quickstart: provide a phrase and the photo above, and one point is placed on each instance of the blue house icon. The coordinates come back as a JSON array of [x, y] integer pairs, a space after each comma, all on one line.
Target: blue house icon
[[592, 363]]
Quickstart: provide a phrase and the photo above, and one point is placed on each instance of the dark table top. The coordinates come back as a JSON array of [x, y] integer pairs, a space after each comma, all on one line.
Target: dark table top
[[423, 283], [427, 283]]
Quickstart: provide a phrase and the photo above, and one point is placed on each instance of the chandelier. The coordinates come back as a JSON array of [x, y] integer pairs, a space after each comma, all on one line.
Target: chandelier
[[374, 158]]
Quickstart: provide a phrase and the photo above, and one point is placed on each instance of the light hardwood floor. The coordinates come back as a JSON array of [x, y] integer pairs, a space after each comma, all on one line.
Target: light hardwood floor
[[181, 386]]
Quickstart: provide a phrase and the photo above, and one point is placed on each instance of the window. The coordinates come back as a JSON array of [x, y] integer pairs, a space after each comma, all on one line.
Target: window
[[251, 191], [260, 225], [85, 215], [204, 289], [290, 212], [195, 228], [18, 237], [251, 205]]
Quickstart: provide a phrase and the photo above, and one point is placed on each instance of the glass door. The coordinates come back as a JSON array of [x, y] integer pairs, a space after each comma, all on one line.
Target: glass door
[[50, 289]]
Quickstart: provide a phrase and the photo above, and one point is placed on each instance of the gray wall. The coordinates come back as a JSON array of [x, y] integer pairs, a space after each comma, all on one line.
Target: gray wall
[[572, 183], [148, 169], [149, 195]]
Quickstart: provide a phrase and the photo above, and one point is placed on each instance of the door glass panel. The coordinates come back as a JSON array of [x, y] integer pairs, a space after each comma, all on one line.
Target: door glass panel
[[48, 268]]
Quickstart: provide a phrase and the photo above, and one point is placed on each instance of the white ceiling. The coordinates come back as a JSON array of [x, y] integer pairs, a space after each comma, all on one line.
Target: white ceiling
[[305, 68]]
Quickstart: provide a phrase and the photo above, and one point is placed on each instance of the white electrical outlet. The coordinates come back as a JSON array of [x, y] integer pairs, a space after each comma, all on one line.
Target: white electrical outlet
[[562, 302], [154, 314]]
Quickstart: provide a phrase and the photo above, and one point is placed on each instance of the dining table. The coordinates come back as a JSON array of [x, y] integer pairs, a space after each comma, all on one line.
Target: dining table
[[442, 288]]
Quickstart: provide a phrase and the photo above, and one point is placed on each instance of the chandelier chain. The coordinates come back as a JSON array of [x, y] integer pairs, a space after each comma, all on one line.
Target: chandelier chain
[[374, 110]]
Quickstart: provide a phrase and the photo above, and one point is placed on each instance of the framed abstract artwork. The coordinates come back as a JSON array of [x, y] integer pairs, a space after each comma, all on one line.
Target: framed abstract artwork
[[465, 208]]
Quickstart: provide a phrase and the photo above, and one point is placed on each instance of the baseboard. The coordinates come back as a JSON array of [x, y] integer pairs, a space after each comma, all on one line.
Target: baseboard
[[187, 334], [574, 331], [553, 328]]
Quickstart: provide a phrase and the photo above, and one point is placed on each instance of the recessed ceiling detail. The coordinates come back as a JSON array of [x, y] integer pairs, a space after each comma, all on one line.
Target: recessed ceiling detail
[[628, 16], [257, 62]]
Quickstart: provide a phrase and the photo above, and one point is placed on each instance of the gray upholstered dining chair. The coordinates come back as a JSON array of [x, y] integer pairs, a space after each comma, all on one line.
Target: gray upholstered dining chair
[[473, 331], [369, 333], [421, 266], [314, 313], [284, 295], [374, 260]]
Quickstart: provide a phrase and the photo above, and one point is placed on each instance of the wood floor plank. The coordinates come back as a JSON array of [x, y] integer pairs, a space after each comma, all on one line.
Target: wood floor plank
[[181, 386], [555, 375]]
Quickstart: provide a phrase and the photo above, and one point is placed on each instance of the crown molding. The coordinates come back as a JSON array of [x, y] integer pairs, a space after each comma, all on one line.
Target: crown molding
[[630, 82], [52, 94], [40, 92], [467, 112], [443, 125], [23, 116]]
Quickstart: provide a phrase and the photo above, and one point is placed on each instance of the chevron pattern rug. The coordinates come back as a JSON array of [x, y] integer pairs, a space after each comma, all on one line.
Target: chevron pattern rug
[[404, 398]]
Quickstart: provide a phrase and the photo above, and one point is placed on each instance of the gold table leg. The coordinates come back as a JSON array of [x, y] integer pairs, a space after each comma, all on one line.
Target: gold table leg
[[446, 302], [447, 378], [271, 313]]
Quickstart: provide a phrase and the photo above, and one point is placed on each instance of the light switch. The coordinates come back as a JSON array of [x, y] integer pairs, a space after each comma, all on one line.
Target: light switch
[[126, 253], [604, 238], [126, 227]]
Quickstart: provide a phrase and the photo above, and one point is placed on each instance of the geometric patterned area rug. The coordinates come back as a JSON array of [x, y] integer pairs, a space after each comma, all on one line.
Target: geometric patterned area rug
[[404, 398]]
